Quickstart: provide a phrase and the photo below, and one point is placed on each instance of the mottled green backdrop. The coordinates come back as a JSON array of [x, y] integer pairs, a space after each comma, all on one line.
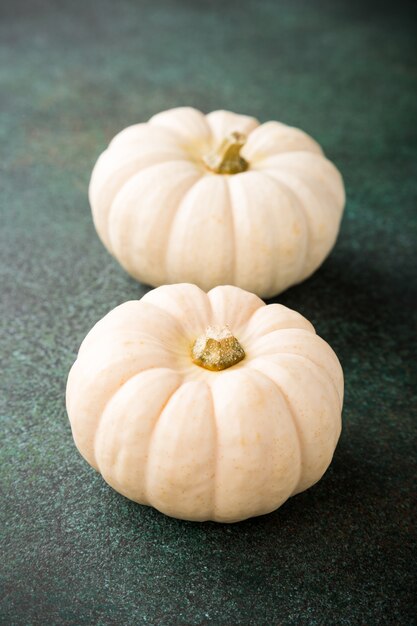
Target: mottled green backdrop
[[72, 75]]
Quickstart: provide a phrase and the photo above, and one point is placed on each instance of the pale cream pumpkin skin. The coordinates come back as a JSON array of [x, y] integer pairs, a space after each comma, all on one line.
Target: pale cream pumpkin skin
[[161, 208], [199, 444]]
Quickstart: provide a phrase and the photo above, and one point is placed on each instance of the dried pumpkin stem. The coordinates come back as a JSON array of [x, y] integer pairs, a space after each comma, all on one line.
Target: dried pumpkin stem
[[226, 159], [217, 349]]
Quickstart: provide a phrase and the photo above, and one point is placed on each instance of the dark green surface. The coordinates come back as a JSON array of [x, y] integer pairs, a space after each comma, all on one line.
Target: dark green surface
[[72, 75]]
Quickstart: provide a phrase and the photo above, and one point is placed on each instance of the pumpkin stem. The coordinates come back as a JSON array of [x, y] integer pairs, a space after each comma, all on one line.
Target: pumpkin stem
[[217, 349], [226, 158]]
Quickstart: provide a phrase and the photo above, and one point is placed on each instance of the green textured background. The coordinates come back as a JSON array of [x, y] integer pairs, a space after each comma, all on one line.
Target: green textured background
[[72, 75]]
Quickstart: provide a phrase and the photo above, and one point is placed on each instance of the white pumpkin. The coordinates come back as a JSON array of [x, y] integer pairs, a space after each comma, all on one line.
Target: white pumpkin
[[206, 406], [216, 199]]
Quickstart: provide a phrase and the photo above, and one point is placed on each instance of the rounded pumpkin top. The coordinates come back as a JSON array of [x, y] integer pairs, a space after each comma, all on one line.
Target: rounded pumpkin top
[[216, 199]]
